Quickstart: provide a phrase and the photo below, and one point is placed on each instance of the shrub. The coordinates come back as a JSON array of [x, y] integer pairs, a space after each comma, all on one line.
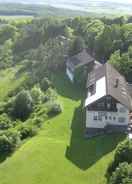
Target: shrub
[[38, 122], [22, 105], [27, 131], [5, 122], [9, 141], [45, 84], [51, 94], [2, 107], [45, 99], [123, 154], [36, 94], [6, 107], [122, 174], [54, 109]]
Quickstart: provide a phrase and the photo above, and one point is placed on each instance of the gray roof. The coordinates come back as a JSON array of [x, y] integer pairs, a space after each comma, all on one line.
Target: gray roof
[[129, 87], [116, 85], [80, 59]]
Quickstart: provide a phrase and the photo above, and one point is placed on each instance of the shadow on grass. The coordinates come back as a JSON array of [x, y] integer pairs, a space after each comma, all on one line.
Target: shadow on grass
[[3, 157], [86, 152], [65, 88]]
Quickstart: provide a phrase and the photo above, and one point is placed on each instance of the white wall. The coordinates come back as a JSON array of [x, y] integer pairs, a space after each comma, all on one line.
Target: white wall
[[70, 75], [100, 92], [122, 113], [90, 123]]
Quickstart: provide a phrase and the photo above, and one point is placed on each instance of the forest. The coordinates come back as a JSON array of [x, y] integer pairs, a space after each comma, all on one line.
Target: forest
[[36, 50]]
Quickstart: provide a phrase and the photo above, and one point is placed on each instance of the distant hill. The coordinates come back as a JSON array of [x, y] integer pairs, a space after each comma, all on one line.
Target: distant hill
[[14, 9], [64, 7]]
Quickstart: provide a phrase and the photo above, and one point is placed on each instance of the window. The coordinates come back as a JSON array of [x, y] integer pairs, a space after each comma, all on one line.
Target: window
[[106, 117], [121, 119], [108, 106], [91, 89], [101, 105], [122, 109], [114, 118], [110, 118], [100, 118], [95, 118]]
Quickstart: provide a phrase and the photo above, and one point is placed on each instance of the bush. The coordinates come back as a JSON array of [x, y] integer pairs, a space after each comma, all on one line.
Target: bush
[[38, 122], [2, 107], [54, 109], [6, 107], [45, 84], [27, 131], [45, 99], [51, 94], [123, 154], [22, 105], [5, 122], [9, 141], [37, 95], [122, 174]]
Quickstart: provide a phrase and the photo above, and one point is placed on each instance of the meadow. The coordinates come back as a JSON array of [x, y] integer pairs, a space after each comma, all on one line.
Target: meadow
[[60, 153]]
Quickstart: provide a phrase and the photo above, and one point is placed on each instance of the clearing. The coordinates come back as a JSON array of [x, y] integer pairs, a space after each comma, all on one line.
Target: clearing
[[59, 154]]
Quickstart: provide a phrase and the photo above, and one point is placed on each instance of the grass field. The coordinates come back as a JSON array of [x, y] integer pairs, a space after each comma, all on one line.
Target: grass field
[[59, 154]]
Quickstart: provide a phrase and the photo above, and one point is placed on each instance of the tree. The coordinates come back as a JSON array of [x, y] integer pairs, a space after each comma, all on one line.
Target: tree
[[36, 94], [126, 36], [50, 56], [45, 84], [123, 63], [68, 32], [9, 140], [108, 41], [91, 31], [6, 55], [77, 46], [7, 32], [5, 122], [23, 105], [123, 153], [122, 174]]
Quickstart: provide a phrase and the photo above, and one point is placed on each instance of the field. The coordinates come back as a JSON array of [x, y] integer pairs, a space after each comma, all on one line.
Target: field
[[59, 154], [16, 17]]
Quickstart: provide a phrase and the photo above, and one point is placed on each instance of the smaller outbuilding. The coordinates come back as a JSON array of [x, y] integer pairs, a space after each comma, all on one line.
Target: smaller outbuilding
[[80, 64]]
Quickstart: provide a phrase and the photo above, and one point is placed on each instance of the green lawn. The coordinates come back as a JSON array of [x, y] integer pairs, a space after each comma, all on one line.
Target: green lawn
[[60, 154]]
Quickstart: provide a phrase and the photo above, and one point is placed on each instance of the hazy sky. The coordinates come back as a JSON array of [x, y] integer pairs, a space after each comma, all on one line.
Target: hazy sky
[[76, 1], [68, 3], [64, 1], [120, 1]]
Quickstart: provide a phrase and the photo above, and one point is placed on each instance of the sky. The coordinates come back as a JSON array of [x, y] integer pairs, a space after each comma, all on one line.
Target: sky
[[50, 2]]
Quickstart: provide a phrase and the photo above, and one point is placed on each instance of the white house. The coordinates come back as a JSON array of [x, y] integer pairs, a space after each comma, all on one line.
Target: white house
[[108, 101]]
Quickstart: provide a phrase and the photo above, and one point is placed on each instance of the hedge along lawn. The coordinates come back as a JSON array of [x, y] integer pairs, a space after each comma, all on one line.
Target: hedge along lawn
[[59, 154], [9, 82]]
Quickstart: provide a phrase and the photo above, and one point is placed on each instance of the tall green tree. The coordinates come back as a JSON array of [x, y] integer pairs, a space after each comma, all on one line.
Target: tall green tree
[[6, 54], [22, 105]]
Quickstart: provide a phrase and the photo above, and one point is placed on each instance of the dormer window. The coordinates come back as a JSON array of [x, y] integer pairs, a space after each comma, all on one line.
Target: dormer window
[[91, 90]]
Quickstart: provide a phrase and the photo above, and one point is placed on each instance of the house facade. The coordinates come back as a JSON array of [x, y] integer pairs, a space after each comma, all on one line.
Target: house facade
[[108, 101]]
